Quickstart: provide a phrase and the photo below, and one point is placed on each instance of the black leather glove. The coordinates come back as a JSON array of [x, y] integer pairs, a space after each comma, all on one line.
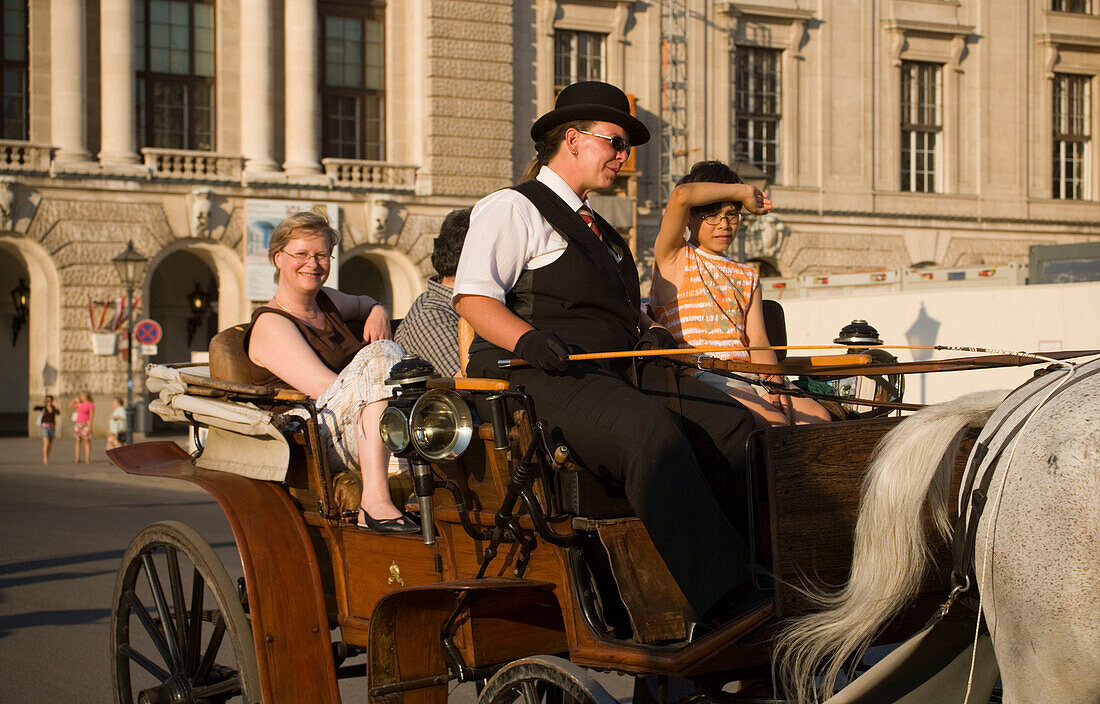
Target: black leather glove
[[543, 350], [657, 338]]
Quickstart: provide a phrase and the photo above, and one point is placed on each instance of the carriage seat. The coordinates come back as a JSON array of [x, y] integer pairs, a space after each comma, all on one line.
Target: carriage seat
[[228, 360]]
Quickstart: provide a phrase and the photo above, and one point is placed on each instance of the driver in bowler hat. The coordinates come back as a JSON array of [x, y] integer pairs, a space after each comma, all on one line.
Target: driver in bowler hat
[[542, 276]]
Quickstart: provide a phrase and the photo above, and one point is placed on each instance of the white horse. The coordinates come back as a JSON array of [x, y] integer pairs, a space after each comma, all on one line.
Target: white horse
[[1037, 549]]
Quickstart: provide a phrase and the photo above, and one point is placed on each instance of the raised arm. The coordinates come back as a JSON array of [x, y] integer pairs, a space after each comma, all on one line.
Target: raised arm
[[277, 345], [670, 240]]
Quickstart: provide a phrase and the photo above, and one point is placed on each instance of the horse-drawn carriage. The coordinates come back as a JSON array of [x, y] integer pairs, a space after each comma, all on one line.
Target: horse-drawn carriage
[[527, 574]]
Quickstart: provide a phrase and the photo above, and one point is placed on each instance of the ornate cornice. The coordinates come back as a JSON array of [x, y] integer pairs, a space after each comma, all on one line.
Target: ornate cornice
[[732, 7]]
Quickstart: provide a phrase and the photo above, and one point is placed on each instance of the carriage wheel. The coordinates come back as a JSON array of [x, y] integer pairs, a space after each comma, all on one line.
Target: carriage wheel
[[179, 633], [543, 680]]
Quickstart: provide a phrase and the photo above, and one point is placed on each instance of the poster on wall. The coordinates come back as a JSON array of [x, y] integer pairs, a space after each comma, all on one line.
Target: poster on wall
[[261, 217]]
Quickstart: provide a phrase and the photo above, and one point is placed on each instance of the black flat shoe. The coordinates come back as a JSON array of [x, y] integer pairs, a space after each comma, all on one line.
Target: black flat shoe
[[402, 525]]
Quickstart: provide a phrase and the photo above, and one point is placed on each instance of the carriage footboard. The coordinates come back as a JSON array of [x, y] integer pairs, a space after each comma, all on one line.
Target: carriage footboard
[[421, 637]]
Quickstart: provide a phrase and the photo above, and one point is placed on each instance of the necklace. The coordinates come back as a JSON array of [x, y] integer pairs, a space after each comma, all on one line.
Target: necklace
[[296, 315]]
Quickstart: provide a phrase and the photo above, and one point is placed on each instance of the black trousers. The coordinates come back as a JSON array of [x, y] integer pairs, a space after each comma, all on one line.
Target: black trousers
[[677, 445]]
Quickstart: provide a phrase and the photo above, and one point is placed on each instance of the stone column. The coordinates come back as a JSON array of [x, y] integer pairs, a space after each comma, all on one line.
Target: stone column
[[257, 87], [68, 102], [116, 50], [302, 133]]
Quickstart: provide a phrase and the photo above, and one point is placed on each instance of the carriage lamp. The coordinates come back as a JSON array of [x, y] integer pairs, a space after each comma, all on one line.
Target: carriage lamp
[[410, 376], [197, 303], [393, 426], [441, 425], [858, 333], [20, 299]]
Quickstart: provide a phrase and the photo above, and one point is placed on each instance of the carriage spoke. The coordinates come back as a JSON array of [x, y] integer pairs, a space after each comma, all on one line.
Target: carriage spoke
[[198, 593], [162, 610], [155, 634], [211, 651], [179, 607], [530, 692], [145, 663], [229, 686]]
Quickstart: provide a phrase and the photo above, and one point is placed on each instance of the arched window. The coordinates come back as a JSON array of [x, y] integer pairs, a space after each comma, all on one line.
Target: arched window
[[174, 56]]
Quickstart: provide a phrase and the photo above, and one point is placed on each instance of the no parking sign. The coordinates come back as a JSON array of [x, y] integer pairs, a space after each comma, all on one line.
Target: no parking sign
[[148, 332]]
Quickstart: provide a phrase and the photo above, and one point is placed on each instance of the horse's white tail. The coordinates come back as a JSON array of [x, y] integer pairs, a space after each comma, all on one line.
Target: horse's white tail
[[911, 464]]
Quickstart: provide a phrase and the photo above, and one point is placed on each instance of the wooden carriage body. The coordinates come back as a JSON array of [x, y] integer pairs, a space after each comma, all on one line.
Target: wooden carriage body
[[422, 617]]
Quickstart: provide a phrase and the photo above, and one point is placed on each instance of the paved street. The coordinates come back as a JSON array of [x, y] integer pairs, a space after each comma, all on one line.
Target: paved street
[[63, 531]]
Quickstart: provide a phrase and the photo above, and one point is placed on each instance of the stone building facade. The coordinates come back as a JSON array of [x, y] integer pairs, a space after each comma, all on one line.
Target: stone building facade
[[892, 133]]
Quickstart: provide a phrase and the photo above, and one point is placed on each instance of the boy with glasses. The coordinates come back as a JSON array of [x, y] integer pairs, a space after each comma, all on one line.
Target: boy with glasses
[[705, 299]]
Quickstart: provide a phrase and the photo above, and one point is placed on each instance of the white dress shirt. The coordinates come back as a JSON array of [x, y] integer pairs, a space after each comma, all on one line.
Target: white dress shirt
[[508, 236]]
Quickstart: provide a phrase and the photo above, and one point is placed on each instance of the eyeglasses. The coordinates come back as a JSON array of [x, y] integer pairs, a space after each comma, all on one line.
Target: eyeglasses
[[619, 144], [303, 257], [731, 219]]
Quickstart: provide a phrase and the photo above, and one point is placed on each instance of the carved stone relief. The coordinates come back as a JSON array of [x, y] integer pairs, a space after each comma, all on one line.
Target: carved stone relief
[[199, 206], [7, 202]]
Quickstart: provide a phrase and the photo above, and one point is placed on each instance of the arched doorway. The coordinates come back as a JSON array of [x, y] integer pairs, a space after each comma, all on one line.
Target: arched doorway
[[386, 275], [15, 335], [360, 276], [178, 276]]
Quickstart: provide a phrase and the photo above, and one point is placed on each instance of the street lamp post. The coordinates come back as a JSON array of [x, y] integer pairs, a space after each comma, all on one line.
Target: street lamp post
[[130, 266]]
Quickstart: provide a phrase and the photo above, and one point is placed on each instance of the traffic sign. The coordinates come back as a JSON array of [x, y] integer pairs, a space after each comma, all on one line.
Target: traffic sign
[[148, 332]]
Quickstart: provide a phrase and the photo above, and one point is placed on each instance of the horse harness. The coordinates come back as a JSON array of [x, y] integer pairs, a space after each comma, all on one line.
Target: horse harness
[[987, 452]]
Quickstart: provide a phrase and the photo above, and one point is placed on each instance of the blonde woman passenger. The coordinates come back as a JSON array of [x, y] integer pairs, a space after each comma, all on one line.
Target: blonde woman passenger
[[706, 299], [300, 339]]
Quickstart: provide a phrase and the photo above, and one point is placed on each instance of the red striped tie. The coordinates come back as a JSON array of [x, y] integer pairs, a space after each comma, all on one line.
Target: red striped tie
[[590, 220]]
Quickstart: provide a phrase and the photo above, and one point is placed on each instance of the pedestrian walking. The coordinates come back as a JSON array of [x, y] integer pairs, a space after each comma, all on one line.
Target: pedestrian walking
[[47, 425], [83, 415], [117, 429]]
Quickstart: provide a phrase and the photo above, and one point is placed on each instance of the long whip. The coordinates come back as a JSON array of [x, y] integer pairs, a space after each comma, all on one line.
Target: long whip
[[686, 351]]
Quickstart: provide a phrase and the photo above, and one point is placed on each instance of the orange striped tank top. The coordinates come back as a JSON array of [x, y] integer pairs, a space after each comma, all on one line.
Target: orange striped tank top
[[710, 307]]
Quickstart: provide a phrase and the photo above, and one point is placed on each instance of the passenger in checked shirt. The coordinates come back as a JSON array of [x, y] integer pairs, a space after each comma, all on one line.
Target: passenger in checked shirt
[[430, 329]]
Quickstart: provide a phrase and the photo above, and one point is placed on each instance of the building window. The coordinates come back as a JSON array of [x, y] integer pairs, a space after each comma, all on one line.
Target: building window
[[1071, 135], [756, 106], [175, 73], [1082, 6], [352, 82], [578, 56], [921, 124], [13, 28]]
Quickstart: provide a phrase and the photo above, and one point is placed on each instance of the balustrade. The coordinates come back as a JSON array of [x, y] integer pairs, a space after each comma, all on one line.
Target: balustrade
[[214, 167], [373, 175], [25, 156], [192, 165]]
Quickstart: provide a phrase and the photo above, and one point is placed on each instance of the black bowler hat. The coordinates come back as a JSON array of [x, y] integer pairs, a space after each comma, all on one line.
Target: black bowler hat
[[592, 100]]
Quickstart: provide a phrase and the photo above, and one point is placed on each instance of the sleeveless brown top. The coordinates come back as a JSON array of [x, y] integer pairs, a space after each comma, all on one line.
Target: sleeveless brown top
[[336, 344]]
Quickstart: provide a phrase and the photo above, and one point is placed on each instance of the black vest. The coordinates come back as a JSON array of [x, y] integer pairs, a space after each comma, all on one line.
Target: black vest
[[583, 296]]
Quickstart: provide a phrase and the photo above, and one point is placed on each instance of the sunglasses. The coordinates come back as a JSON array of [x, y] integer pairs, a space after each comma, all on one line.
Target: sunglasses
[[619, 144]]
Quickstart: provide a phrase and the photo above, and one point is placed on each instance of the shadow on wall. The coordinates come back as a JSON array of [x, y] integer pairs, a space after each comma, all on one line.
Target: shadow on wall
[[922, 333]]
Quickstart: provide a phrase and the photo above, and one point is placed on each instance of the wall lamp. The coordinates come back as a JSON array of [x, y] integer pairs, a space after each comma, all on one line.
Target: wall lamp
[[20, 299], [198, 301]]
